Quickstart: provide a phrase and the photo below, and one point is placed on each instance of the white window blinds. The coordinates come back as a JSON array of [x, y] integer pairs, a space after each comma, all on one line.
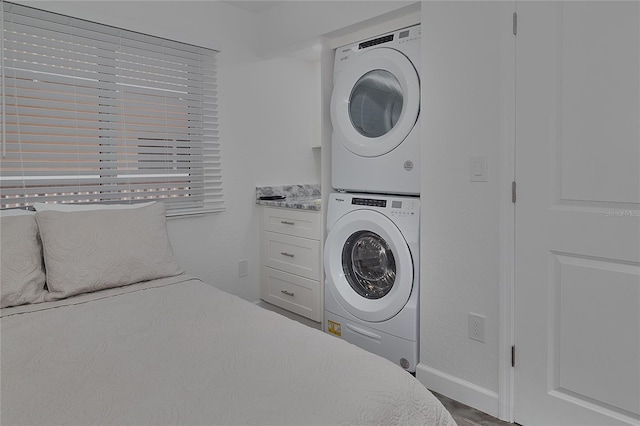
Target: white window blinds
[[93, 113]]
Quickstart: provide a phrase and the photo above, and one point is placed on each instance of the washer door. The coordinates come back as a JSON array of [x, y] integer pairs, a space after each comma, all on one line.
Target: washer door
[[368, 265], [375, 102]]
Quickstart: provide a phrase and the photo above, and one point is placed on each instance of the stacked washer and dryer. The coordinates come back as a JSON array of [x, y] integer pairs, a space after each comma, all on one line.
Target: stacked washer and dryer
[[371, 255]]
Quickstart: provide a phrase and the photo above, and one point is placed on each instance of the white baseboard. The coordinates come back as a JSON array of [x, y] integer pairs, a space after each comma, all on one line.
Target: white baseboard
[[460, 390]]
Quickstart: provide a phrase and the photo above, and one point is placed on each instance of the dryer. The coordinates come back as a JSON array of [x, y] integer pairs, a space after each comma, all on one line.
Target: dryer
[[371, 259], [375, 110]]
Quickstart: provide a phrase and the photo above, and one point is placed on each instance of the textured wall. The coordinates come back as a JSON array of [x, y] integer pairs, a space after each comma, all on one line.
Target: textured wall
[[461, 115]]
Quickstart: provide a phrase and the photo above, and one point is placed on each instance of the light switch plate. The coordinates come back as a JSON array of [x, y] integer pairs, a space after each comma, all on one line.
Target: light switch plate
[[478, 169]]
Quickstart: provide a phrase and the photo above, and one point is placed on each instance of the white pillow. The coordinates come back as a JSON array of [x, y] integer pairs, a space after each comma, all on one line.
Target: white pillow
[[15, 212], [23, 278], [40, 207], [92, 250]]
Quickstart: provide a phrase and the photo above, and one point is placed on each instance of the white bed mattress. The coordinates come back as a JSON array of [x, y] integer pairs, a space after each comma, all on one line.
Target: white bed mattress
[[178, 351]]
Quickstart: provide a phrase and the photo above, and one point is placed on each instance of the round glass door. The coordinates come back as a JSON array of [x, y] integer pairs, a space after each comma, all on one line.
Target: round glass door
[[369, 265], [375, 103]]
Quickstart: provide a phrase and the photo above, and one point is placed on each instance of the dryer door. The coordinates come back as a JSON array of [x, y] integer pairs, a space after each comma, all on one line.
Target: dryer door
[[368, 265], [375, 102]]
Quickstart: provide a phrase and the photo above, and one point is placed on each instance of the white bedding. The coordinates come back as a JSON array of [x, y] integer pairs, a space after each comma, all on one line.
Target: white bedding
[[178, 351]]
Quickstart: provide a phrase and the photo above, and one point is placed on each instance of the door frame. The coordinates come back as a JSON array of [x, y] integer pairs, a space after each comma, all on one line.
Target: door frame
[[507, 218]]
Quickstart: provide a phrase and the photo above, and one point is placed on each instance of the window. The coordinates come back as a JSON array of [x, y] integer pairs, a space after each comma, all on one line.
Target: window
[[93, 113]]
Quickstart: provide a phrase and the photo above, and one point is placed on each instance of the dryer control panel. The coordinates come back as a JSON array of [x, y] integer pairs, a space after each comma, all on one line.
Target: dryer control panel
[[400, 36]]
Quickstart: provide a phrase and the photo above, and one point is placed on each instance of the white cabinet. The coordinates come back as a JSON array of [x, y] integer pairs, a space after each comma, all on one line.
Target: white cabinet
[[291, 261]]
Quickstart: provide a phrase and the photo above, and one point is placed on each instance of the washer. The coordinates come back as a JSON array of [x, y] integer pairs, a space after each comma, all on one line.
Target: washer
[[371, 260], [375, 110]]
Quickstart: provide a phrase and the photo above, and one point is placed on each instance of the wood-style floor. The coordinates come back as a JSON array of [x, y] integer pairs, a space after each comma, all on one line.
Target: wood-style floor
[[467, 416], [462, 414]]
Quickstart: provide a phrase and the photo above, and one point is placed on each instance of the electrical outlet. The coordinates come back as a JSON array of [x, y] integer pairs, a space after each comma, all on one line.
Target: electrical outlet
[[476, 327], [243, 268]]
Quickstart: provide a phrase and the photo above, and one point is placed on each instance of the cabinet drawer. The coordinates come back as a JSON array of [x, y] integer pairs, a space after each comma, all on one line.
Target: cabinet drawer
[[300, 256], [292, 222], [291, 292]]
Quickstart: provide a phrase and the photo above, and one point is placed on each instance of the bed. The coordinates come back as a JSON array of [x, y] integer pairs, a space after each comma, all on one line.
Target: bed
[[83, 343]]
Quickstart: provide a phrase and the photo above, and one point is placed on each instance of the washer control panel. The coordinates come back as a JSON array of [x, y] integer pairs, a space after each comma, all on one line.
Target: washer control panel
[[404, 208], [371, 202], [394, 207]]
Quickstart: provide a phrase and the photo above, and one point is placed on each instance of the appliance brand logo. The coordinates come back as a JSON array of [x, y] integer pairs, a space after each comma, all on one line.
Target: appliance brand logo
[[340, 200], [408, 165]]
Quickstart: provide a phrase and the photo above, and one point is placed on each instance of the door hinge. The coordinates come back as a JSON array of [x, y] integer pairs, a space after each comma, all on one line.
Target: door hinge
[[515, 23], [513, 355], [513, 191]]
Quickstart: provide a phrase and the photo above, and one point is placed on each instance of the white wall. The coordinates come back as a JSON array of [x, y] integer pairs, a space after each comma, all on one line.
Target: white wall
[[294, 25], [463, 116], [265, 109], [266, 122]]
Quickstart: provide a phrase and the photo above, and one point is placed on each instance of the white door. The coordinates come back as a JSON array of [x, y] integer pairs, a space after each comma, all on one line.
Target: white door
[[577, 291], [375, 102]]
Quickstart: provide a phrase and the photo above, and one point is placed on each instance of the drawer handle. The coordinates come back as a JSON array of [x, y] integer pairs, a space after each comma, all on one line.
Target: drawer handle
[[284, 253], [288, 293], [287, 222]]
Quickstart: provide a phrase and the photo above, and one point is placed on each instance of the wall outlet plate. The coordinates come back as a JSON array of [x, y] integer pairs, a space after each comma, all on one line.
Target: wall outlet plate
[[476, 327], [243, 268]]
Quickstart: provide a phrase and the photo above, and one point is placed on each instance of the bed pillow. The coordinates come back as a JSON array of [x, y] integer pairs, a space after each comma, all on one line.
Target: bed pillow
[[15, 212], [22, 279], [92, 250], [40, 207]]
